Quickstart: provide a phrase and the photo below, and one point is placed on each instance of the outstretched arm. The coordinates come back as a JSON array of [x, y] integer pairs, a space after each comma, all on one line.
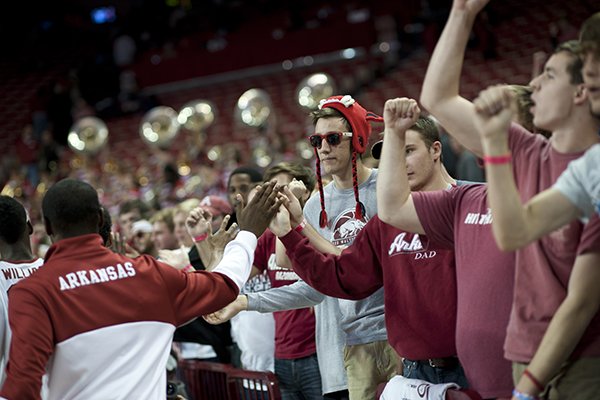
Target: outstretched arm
[[514, 224], [290, 297], [295, 217], [394, 202], [440, 92], [210, 246], [229, 311], [354, 274], [568, 324]]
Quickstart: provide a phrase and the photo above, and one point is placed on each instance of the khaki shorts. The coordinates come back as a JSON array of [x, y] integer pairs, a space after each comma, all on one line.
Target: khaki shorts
[[368, 365]]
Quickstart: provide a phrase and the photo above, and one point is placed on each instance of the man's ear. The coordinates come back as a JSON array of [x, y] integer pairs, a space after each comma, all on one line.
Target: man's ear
[[48, 227], [436, 150], [581, 94], [100, 219], [29, 228]]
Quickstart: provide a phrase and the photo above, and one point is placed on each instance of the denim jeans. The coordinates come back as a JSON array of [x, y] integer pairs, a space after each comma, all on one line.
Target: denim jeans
[[299, 379], [419, 370]]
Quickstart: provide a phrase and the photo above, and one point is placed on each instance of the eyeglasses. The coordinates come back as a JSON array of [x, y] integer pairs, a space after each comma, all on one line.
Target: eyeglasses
[[332, 138]]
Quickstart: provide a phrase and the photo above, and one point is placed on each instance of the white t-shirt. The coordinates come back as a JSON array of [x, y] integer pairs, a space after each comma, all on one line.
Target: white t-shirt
[[10, 273], [580, 182]]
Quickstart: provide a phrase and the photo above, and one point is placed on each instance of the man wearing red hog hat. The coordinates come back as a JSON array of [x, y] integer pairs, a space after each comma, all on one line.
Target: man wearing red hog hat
[[338, 213]]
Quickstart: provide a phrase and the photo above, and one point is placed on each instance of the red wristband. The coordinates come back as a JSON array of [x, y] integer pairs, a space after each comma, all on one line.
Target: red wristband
[[300, 226], [200, 238], [497, 160], [533, 379]]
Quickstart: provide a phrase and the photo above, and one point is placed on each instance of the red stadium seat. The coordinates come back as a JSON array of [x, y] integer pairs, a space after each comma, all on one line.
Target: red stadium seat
[[206, 380], [252, 385]]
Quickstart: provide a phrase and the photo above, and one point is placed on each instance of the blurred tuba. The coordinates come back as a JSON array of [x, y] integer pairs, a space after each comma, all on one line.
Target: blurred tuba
[[261, 156], [304, 150], [197, 115], [313, 89], [88, 135], [253, 108], [159, 126]]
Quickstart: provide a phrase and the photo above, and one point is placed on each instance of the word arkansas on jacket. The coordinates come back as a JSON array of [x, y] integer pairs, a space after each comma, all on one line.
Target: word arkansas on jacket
[[76, 279]]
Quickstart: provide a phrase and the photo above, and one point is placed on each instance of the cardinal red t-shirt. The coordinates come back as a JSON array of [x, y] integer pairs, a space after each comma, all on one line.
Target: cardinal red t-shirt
[[294, 329]]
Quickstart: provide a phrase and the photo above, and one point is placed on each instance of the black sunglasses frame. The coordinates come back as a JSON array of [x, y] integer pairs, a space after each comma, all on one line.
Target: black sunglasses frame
[[332, 138]]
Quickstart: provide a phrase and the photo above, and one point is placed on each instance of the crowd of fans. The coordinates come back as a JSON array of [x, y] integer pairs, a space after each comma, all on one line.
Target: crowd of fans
[[288, 265]]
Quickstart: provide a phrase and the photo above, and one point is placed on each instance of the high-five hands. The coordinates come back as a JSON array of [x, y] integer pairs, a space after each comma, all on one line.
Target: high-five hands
[[199, 222], [297, 188], [291, 202], [227, 312], [256, 216], [280, 225]]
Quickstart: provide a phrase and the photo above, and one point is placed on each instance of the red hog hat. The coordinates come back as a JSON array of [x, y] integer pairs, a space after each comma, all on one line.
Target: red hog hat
[[358, 118]]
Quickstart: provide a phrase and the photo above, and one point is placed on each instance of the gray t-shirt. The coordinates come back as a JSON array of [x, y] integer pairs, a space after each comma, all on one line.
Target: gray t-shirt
[[363, 321], [580, 182], [329, 335]]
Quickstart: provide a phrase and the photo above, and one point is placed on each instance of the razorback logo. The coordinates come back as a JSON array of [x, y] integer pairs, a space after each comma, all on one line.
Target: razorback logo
[[346, 227]]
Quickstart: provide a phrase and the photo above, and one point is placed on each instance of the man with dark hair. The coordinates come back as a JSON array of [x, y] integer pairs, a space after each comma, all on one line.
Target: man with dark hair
[[13, 220], [566, 361], [241, 181], [106, 228], [92, 314], [250, 351], [16, 262], [130, 212], [545, 268], [296, 363]]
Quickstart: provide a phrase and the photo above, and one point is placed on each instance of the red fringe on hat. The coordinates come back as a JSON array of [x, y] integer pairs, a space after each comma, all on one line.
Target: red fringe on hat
[[360, 208], [323, 214]]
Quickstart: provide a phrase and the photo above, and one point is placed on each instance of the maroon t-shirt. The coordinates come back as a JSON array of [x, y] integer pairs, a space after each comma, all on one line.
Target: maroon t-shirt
[[544, 266], [484, 279], [418, 279], [294, 329]]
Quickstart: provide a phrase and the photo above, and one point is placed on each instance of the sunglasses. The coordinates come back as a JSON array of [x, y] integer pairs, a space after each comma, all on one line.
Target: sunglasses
[[332, 138]]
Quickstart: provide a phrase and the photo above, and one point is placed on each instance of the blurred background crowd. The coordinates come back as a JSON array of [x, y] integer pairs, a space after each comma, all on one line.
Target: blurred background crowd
[[164, 98]]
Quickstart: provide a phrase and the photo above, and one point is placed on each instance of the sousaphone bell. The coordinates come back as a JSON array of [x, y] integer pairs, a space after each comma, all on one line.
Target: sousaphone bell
[[159, 126], [88, 136], [313, 89], [253, 108], [197, 115]]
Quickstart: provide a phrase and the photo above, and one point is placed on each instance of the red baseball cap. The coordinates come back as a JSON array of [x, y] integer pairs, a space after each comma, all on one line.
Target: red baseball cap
[[216, 205]]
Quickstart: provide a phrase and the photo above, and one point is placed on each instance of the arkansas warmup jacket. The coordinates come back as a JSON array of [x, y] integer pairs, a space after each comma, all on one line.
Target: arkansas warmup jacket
[[102, 323]]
